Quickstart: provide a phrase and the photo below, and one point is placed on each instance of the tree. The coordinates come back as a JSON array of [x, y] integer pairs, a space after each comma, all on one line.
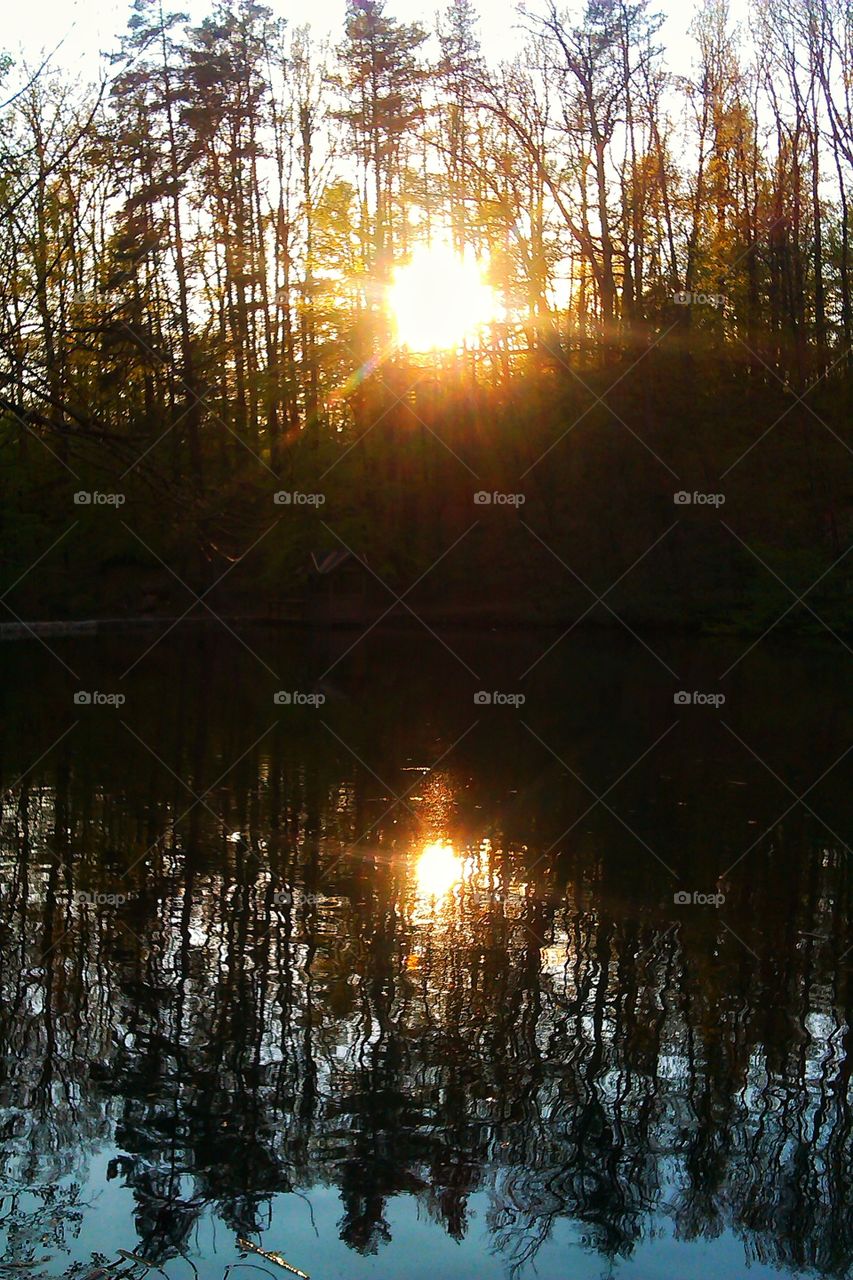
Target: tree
[[380, 79]]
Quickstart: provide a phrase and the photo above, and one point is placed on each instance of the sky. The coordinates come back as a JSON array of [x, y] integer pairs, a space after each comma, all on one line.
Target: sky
[[86, 27]]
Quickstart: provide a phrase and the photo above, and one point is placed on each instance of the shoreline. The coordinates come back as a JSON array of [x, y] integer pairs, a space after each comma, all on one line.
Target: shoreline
[[470, 620]]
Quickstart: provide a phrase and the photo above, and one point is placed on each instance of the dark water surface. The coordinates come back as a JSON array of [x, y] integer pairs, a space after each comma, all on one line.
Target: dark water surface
[[397, 985]]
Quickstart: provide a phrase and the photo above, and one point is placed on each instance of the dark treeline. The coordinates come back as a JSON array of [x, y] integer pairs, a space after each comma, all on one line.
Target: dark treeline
[[194, 257], [552, 1034]]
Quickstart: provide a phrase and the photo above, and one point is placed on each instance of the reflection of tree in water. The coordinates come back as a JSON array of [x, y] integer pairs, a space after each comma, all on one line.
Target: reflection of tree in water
[[572, 1058]]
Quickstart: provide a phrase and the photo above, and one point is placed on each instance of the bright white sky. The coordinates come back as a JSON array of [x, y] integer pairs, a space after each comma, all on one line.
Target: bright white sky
[[89, 26]]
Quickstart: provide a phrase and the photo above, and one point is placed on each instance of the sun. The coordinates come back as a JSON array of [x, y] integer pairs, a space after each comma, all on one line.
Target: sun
[[439, 300]]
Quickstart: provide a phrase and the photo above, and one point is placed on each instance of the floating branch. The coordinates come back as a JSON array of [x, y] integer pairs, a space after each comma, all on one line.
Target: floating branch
[[272, 1257]]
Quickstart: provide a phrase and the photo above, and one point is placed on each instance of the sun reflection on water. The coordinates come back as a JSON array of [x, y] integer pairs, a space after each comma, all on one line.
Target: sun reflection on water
[[439, 870]]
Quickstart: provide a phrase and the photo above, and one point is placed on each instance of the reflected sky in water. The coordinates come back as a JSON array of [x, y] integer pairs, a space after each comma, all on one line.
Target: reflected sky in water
[[400, 985]]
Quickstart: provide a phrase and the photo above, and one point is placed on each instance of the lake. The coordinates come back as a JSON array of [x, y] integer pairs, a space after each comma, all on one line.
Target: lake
[[426, 954]]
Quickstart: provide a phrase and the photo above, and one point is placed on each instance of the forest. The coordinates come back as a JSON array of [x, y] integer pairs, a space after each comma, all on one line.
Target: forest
[[509, 332]]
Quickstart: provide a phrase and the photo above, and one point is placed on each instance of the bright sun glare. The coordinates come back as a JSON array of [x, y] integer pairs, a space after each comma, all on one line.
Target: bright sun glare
[[438, 870], [440, 300]]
